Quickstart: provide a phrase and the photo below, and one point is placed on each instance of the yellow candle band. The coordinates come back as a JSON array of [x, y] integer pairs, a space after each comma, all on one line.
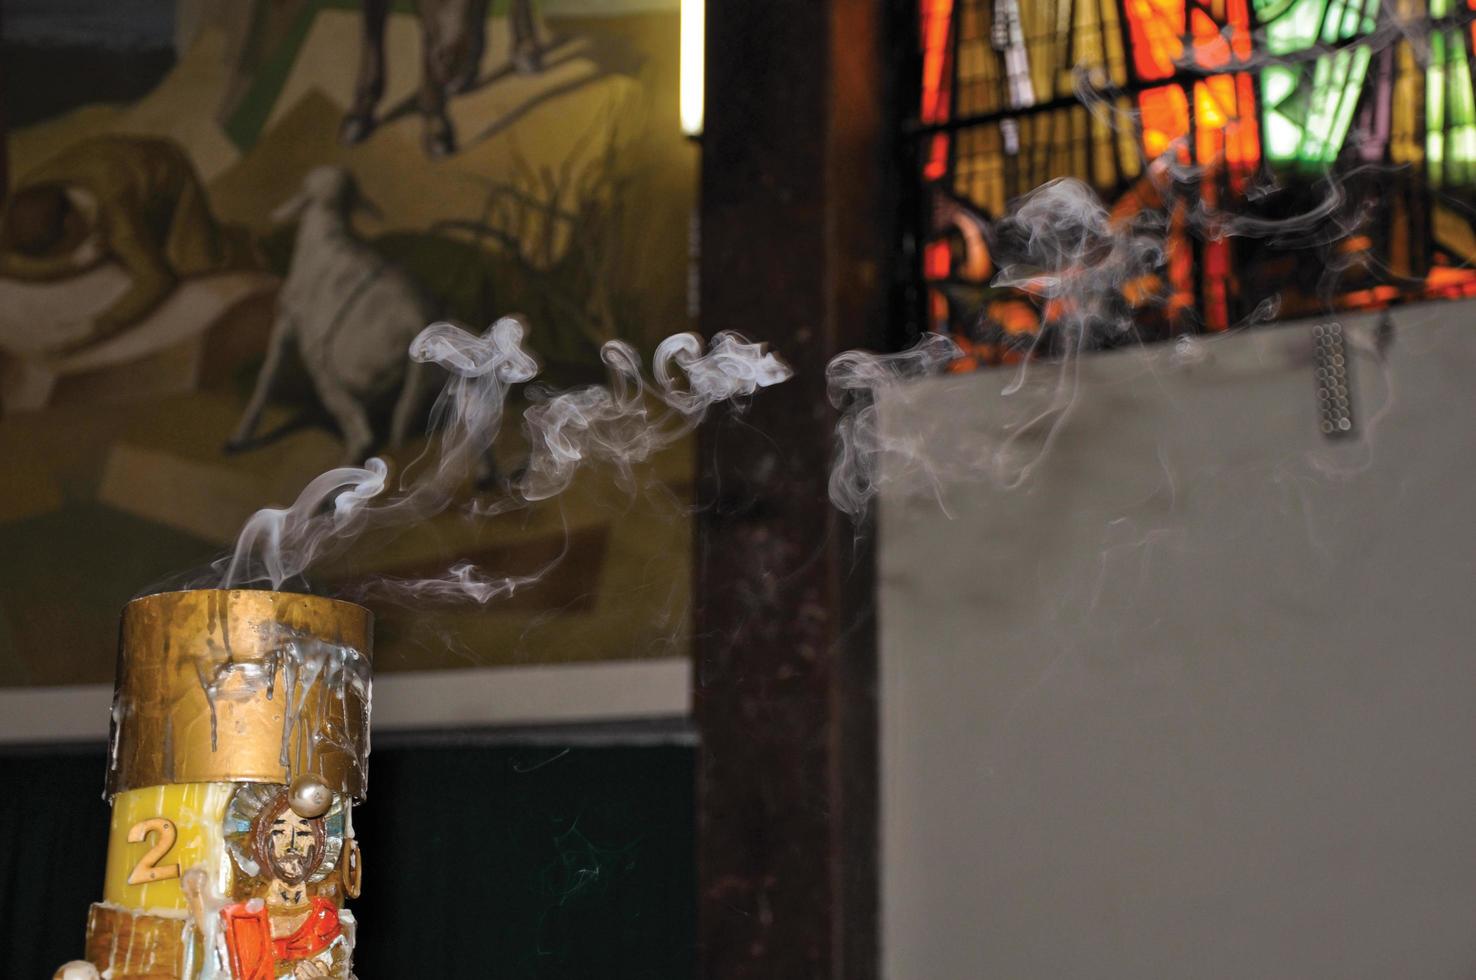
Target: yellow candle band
[[144, 874]]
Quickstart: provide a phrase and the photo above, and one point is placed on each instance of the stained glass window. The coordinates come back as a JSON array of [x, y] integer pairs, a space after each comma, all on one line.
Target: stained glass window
[[1251, 105], [1450, 113], [1308, 112]]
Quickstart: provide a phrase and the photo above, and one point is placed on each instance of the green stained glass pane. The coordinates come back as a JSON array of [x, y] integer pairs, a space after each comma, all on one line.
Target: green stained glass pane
[[1352, 70], [1308, 106], [1290, 26], [1450, 111]]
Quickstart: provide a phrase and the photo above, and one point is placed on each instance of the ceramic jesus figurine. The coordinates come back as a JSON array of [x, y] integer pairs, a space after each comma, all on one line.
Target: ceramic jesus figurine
[[287, 927]]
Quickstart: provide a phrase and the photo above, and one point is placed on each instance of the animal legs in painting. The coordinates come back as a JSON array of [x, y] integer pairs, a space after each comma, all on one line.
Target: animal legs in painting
[[410, 406], [469, 59], [527, 53], [453, 39], [369, 88], [453, 36], [266, 380], [350, 414]]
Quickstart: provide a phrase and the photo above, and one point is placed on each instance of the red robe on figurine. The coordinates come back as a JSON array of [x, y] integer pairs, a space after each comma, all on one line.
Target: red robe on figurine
[[255, 953]]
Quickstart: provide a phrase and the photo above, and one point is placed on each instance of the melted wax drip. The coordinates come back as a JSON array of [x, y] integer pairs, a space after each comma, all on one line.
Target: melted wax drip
[[308, 666]]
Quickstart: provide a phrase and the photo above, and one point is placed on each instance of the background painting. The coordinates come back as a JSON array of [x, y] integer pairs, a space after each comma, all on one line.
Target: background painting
[[566, 197]]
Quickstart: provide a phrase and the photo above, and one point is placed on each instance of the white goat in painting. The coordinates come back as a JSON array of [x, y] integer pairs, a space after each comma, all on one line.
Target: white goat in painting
[[351, 314]]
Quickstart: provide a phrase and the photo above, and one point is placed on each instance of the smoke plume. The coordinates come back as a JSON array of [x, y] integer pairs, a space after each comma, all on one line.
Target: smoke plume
[[620, 424], [854, 379], [1060, 246]]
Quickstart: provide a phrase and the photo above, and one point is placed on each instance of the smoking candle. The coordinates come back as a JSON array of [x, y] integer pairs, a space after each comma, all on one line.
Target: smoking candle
[[240, 741]]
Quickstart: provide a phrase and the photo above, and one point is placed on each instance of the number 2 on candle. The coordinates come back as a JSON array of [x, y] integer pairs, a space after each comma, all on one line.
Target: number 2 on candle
[[148, 869]]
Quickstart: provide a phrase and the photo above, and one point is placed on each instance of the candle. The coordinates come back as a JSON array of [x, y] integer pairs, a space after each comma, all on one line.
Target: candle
[[239, 744]]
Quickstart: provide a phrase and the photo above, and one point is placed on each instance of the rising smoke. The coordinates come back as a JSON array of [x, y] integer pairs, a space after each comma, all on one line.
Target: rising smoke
[[1058, 244], [620, 424], [1083, 268], [853, 380]]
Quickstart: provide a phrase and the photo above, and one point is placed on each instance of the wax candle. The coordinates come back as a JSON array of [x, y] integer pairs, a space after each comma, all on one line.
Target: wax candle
[[239, 744]]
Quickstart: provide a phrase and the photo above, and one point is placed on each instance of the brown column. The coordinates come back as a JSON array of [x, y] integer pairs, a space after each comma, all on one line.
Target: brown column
[[4, 138], [797, 225]]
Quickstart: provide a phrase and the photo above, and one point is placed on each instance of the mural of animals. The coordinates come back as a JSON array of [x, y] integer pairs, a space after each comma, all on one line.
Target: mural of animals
[[224, 220]]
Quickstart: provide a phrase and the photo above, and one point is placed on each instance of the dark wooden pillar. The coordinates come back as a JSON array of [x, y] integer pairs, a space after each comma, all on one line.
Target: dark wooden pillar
[[797, 226], [4, 136]]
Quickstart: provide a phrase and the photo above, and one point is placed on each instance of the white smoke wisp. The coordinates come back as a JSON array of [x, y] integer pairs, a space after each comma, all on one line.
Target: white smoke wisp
[[615, 425], [619, 425], [279, 544], [1058, 244], [462, 582], [1090, 269], [1079, 262], [1061, 245], [854, 380]]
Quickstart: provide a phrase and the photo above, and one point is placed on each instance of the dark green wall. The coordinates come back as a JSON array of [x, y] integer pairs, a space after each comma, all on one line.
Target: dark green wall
[[542, 860]]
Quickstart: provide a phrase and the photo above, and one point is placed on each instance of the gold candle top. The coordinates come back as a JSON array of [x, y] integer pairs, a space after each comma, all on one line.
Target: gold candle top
[[241, 685]]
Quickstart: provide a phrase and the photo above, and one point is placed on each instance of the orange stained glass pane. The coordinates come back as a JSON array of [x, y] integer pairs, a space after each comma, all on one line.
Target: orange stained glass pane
[[1225, 128], [1217, 284], [1375, 298], [1211, 48], [1220, 32], [1141, 289], [1142, 195], [937, 18], [937, 260], [937, 165], [971, 356], [1180, 262], [1014, 315], [1243, 148], [1447, 282], [1240, 29], [938, 312], [1165, 118], [1157, 30]]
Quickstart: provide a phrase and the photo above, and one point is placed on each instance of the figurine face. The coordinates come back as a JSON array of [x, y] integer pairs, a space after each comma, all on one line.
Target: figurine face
[[287, 846], [292, 843]]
